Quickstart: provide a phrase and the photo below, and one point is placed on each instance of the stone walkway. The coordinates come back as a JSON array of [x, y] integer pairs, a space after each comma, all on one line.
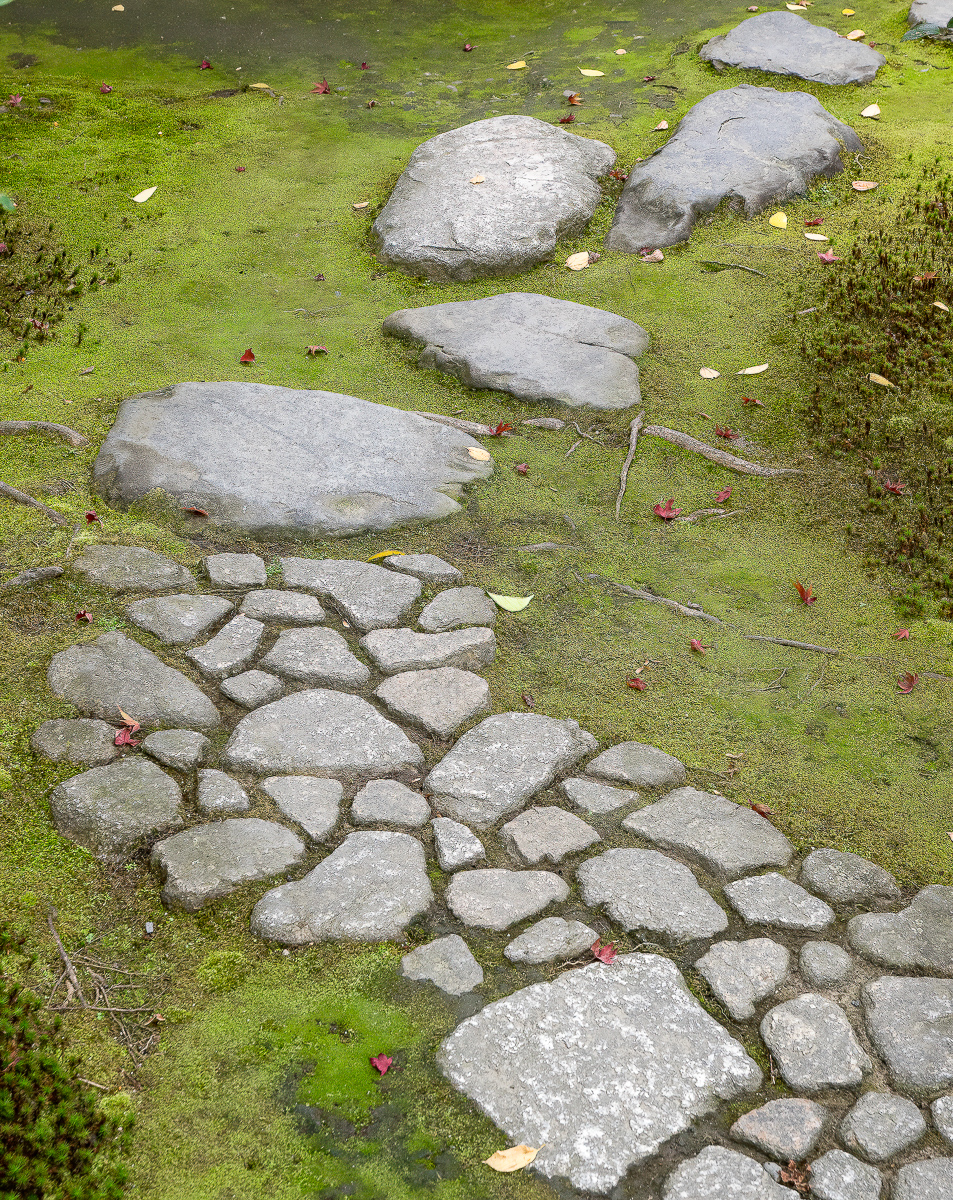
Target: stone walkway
[[317, 708]]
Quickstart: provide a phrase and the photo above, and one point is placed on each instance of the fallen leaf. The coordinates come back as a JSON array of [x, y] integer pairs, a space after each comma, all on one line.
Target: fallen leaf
[[517, 66], [779, 220], [195, 512], [91, 517], [754, 402], [660, 125], [697, 647], [513, 1159], [321, 89], [384, 554], [606, 953], [478, 179], [521, 468], [83, 615], [940, 304], [796, 7], [815, 221], [655, 256], [364, 66], [896, 487], [621, 51], [875, 378], [143, 196], [854, 36], [87, 370], [828, 256], [361, 204], [907, 682], [248, 356], [510, 603], [479, 453], [752, 8], [590, 73], [762, 810], [205, 65], [847, 12], [666, 511], [124, 738], [319, 278], [638, 685], [709, 373], [726, 432], [105, 89], [130, 722], [723, 495], [616, 174], [902, 635], [925, 277], [806, 593], [579, 261], [467, 48], [312, 350], [118, 8], [864, 185], [499, 430], [567, 120], [649, 78], [754, 370], [816, 237], [574, 98], [240, 170], [528, 700], [382, 1063], [872, 110]]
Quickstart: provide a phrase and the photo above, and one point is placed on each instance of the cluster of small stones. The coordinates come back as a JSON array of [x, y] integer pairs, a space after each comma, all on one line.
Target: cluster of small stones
[[291, 744]]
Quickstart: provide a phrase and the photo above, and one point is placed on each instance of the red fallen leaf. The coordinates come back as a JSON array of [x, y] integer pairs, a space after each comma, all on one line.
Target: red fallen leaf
[[502, 428], [925, 278], [4, 248], [247, 357], [130, 723], [568, 119], [615, 174], [91, 517], [83, 616], [755, 403], [638, 685], [124, 738], [697, 647], [666, 511], [39, 324], [896, 487], [382, 1062], [205, 65], [467, 48], [317, 350], [521, 468], [372, 104], [815, 221], [797, 1175], [195, 512], [321, 89], [649, 78], [806, 593], [762, 810], [528, 700], [363, 66], [828, 256], [319, 279], [240, 169], [16, 101], [606, 953], [907, 682], [726, 432], [902, 635], [575, 98], [105, 89], [723, 495]]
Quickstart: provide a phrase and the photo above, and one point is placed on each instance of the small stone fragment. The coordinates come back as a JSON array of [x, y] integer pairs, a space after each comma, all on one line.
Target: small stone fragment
[[942, 1112], [312, 803], [596, 797], [550, 939], [406, 650], [814, 1045], [457, 607], [785, 1129], [824, 965], [387, 802], [446, 962], [546, 833], [252, 689], [721, 1174], [456, 845], [178, 619], [236, 570], [637, 764], [439, 701], [773, 900], [232, 648], [918, 937], [910, 1022], [316, 656], [219, 795], [840, 1176], [880, 1126], [847, 878], [131, 569], [497, 899], [742, 973], [931, 1180], [289, 608], [367, 595], [180, 749], [78, 740], [427, 567]]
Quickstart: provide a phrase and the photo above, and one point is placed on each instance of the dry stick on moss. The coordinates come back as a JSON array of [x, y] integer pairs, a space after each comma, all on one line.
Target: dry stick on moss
[[634, 430], [545, 546], [686, 610], [20, 428], [574, 446], [757, 637], [70, 969], [741, 465], [475, 428], [22, 498]]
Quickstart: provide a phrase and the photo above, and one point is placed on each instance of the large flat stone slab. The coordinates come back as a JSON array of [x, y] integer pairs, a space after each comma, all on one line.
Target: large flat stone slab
[[773, 899], [178, 619], [921, 936], [535, 347], [457, 607], [77, 740], [438, 701], [276, 461], [813, 1044], [539, 184], [396, 650], [718, 1173], [365, 594], [910, 1022], [131, 569], [638, 1060], [752, 146], [316, 656], [115, 672], [786, 44], [496, 899], [546, 832]]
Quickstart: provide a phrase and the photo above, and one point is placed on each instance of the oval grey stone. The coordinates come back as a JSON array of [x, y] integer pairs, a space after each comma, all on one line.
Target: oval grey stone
[[843, 878], [131, 569], [456, 845], [717, 1173], [495, 899], [931, 1180], [910, 1022], [252, 689], [880, 1126], [550, 939], [387, 802], [77, 739], [637, 764], [217, 794], [823, 964], [839, 1176], [406, 650], [181, 749], [456, 607]]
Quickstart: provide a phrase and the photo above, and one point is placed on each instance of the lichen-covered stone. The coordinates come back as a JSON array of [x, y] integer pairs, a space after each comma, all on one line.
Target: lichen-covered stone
[[131, 569], [550, 939], [843, 878], [312, 803], [317, 656], [366, 595], [77, 739], [218, 795], [721, 1174], [439, 701], [387, 802], [427, 567], [910, 1022], [446, 962], [457, 607], [546, 833], [918, 937], [456, 845], [774, 900], [180, 749], [252, 689], [880, 1126], [637, 764], [839, 1176], [594, 797], [406, 650], [235, 570], [496, 899], [743, 973], [288, 608], [232, 648], [785, 1129], [824, 965], [178, 619], [813, 1044]]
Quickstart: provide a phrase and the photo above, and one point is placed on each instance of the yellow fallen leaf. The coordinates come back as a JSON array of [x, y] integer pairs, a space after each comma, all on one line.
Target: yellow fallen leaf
[[266, 86], [591, 74], [796, 7], [855, 35], [940, 304], [142, 197], [708, 373], [479, 453], [361, 204], [620, 51], [779, 220], [754, 370], [513, 1159], [477, 179], [817, 237], [864, 185], [578, 262], [872, 110], [512, 604], [875, 378], [517, 66], [384, 554], [847, 12], [660, 125]]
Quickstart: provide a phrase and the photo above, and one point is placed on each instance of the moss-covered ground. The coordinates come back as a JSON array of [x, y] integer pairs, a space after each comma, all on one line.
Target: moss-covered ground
[[274, 257]]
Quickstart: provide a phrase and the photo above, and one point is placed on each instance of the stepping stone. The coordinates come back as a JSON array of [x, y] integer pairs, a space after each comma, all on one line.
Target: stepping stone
[[405, 650], [319, 732], [219, 795], [439, 701], [847, 878], [178, 619], [824, 965], [742, 973], [321, 465], [840, 1176], [541, 833], [456, 607], [642, 889], [180, 749], [785, 44], [113, 811], [596, 797], [910, 1022], [549, 940], [252, 689], [316, 656], [753, 146], [496, 899], [290, 608], [727, 839], [456, 845], [942, 1112], [387, 802], [720, 1174], [880, 1126], [497, 766], [131, 569], [931, 1180], [210, 861], [932, 12], [919, 937], [634, 763], [535, 347], [77, 740], [312, 803], [368, 890], [446, 962], [603, 1065], [813, 1044], [773, 900], [784, 1129], [427, 567], [232, 648], [236, 570], [539, 186], [115, 672], [367, 595]]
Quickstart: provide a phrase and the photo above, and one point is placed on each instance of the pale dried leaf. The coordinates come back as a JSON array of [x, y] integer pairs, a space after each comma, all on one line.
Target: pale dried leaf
[[660, 125], [578, 262], [513, 1159], [754, 370], [591, 74], [875, 378], [511, 604], [940, 304], [477, 179], [655, 256], [847, 12], [855, 35], [517, 66], [708, 373], [118, 8], [779, 220], [620, 51], [796, 7], [265, 86], [872, 110], [817, 237], [864, 185], [143, 196], [361, 204], [479, 453]]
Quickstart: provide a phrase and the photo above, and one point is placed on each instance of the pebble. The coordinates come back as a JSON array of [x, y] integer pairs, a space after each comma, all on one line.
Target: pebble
[[546, 833], [840, 1176], [787, 1129], [317, 656], [218, 795], [395, 650], [880, 1126], [457, 846], [446, 962], [773, 900], [387, 802], [496, 899], [549, 940], [235, 570], [824, 965], [289, 608], [439, 701], [813, 1045], [178, 619], [743, 973], [180, 749], [252, 689], [457, 607]]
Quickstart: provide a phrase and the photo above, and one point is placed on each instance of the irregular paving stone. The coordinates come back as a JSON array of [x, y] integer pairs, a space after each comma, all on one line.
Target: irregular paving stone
[[942, 1113], [537, 348], [113, 810], [786, 44], [319, 731], [177, 619], [115, 672], [217, 794], [131, 569], [823, 964], [720, 1174], [603, 1065], [550, 939], [367, 595], [497, 899], [550, 832], [290, 608], [439, 701], [316, 656], [753, 146], [385, 801], [427, 567], [446, 962], [321, 465], [596, 797], [497, 766], [814, 1045], [635, 763], [456, 607], [880, 1126], [921, 936], [406, 650], [643, 889], [209, 861], [847, 878], [312, 803], [236, 570], [251, 689], [786, 1129], [456, 845], [368, 890], [932, 12], [931, 1180], [910, 1022], [773, 900], [180, 749], [742, 973], [232, 648], [726, 838], [78, 740], [840, 1176], [539, 186]]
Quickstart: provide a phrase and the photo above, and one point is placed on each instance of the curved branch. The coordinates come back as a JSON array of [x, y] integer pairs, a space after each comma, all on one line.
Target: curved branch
[[634, 429], [19, 428], [22, 498], [722, 457]]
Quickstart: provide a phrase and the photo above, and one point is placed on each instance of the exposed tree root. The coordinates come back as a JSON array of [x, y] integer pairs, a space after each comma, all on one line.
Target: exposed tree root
[[20, 428], [686, 610], [757, 637], [634, 430], [722, 457], [474, 428], [22, 498]]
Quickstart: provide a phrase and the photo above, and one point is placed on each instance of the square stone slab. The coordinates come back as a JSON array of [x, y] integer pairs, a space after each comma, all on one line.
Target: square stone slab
[[78, 740], [236, 570], [316, 656], [439, 701], [814, 1045], [387, 802], [252, 689], [910, 1022], [131, 569], [546, 833]]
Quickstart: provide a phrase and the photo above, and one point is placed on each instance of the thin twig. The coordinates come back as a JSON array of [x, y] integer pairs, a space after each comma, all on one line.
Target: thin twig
[[545, 546], [686, 610], [634, 430], [574, 446], [102, 1087], [582, 433], [21, 428], [13, 493], [757, 637], [775, 684], [720, 266], [70, 969], [741, 465], [820, 676], [33, 575]]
